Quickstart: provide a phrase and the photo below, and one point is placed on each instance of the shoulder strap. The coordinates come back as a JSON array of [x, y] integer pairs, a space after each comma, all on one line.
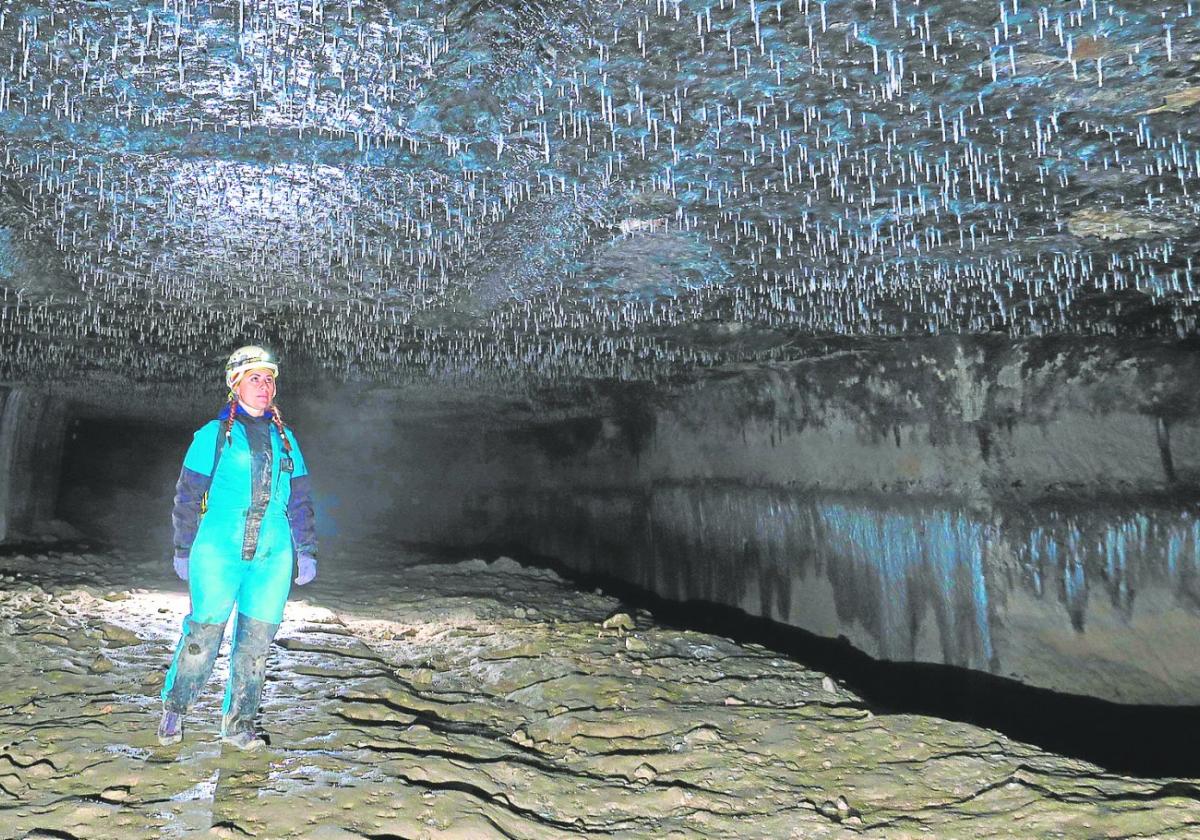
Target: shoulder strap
[[220, 447], [217, 454]]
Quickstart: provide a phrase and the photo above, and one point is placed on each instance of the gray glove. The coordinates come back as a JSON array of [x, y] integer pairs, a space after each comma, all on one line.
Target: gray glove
[[306, 567], [180, 562]]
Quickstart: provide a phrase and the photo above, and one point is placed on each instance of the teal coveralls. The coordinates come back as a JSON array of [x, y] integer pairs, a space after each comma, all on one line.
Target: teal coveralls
[[242, 554]]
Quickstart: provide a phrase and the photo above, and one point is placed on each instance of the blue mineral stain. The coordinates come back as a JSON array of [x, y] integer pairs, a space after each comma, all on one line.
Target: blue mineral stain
[[1175, 544], [945, 546], [1075, 589], [898, 573], [1109, 551], [1115, 553], [979, 589]]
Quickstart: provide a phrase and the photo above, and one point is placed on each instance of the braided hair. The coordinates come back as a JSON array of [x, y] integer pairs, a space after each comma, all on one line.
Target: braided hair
[[227, 425], [277, 419]]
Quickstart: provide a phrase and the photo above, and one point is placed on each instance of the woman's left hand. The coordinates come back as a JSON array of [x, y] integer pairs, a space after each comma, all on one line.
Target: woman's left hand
[[180, 562], [307, 569]]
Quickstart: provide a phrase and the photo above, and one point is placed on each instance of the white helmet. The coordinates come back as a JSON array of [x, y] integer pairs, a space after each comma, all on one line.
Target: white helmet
[[245, 359]]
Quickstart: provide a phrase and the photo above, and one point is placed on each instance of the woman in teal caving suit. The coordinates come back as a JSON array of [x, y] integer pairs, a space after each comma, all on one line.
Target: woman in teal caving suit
[[243, 515]]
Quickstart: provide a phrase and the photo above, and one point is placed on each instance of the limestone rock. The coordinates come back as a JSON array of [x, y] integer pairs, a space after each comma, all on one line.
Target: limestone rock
[[530, 730], [118, 636], [645, 773], [619, 621]]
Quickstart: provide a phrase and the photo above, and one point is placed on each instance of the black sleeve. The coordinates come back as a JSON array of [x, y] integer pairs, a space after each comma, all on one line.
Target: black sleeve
[[185, 516], [301, 516]]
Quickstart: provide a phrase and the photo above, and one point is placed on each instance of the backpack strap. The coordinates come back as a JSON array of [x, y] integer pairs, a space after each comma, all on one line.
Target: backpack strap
[[216, 460]]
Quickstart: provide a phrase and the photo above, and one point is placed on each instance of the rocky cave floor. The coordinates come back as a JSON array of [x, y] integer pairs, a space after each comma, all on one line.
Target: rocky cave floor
[[480, 700]]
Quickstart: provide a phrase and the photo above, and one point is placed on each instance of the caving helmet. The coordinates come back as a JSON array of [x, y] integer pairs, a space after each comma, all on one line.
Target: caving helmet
[[245, 359]]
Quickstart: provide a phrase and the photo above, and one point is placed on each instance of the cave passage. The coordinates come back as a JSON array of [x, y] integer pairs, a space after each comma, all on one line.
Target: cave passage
[[118, 477], [707, 419]]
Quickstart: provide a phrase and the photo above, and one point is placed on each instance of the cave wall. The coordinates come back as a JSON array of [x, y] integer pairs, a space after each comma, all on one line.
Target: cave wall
[[1027, 509], [387, 464], [1022, 509], [32, 424]]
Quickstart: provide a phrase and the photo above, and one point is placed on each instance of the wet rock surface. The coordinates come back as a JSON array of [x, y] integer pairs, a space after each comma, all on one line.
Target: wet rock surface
[[476, 700]]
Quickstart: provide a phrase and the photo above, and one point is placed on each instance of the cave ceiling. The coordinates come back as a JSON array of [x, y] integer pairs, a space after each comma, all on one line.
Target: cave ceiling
[[549, 192]]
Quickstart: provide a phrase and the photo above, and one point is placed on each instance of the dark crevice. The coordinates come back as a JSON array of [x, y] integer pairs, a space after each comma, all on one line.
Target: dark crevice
[[526, 756], [37, 762], [990, 748], [628, 752], [339, 630], [294, 645], [482, 795], [440, 697], [56, 723], [1171, 790], [529, 757], [451, 755], [432, 722], [327, 674], [517, 657], [106, 694], [528, 760]]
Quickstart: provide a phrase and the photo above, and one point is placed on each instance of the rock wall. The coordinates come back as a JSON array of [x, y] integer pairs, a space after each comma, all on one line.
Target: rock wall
[[1028, 510], [32, 424], [386, 463]]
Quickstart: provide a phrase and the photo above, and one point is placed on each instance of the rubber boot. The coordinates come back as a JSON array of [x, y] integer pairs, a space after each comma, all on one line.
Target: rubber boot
[[170, 728], [247, 672]]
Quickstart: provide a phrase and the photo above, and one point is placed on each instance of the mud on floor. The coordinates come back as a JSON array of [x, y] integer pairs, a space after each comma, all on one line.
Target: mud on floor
[[488, 700]]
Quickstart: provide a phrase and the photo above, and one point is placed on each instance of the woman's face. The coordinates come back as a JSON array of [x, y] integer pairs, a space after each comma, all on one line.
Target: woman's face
[[256, 391]]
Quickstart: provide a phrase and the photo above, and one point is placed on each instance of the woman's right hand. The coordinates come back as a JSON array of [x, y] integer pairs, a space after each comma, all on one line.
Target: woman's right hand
[[181, 564]]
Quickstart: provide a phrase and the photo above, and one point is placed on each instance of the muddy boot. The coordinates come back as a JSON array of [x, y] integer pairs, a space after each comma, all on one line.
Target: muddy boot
[[170, 728], [246, 740], [247, 671]]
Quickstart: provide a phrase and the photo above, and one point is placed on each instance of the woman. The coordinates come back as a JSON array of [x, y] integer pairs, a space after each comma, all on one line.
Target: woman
[[243, 510]]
